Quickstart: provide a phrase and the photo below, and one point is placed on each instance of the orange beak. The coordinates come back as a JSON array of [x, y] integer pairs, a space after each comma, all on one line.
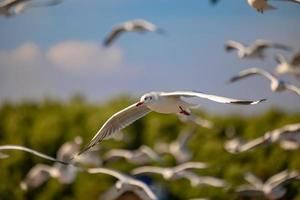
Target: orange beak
[[139, 103]]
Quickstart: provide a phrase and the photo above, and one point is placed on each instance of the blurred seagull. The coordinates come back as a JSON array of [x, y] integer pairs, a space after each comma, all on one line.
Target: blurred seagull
[[161, 102], [272, 189], [287, 136], [124, 180], [2, 156], [169, 173], [36, 153], [260, 5], [142, 155], [138, 25], [276, 84], [13, 7], [64, 173], [197, 180], [291, 66], [178, 148], [255, 50], [194, 119]]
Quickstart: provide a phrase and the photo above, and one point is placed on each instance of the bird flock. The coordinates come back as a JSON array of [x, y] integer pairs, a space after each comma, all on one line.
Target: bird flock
[[73, 158]]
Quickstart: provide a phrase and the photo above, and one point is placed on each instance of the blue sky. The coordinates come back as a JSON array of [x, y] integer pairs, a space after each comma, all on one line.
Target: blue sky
[[56, 51]]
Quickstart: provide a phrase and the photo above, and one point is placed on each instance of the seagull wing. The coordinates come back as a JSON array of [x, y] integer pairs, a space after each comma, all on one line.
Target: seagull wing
[[148, 169], [117, 122], [295, 60], [149, 152], [293, 88], [260, 45], [7, 2], [190, 165], [113, 35], [234, 45], [248, 190], [21, 148], [251, 72], [279, 58], [252, 144], [215, 98]]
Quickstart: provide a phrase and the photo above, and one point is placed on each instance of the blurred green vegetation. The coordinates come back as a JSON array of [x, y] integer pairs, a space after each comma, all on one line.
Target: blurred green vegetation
[[46, 125]]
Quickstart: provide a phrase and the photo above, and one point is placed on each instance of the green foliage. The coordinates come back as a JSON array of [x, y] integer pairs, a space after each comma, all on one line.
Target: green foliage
[[45, 126]]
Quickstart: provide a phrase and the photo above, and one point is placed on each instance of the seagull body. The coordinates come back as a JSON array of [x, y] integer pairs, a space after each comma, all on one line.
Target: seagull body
[[138, 25], [276, 84], [255, 50], [142, 155], [13, 7], [124, 180], [161, 102], [260, 5], [286, 66], [169, 173], [287, 136], [272, 189]]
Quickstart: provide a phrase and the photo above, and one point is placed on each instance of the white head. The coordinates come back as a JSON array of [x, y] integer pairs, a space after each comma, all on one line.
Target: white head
[[148, 98]]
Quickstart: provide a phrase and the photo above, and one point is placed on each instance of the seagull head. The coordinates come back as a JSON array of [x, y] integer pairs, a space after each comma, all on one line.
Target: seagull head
[[147, 99]]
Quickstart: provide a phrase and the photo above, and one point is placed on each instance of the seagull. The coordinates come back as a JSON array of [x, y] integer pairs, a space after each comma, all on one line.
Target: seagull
[[28, 150], [255, 50], [64, 173], [161, 102], [169, 173], [287, 136], [140, 156], [286, 66], [194, 119], [13, 7], [124, 180], [272, 189], [2, 156], [178, 148], [277, 85], [138, 25], [197, 180], [260, 5]]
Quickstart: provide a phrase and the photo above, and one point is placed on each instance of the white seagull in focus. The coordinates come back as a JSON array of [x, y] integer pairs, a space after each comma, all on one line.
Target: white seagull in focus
[[161, 102], [169, 173], [276, 84], [287, 136], [140, 156], [255, 50], [138, 25], [124, 180], [272, 189], [291, 66], [13, 7]]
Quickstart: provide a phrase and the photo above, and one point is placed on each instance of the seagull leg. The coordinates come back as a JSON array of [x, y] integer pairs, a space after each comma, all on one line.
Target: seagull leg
[[184, 112]]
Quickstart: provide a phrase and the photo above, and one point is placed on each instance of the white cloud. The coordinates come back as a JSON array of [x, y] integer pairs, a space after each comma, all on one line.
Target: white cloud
[[81, 56]]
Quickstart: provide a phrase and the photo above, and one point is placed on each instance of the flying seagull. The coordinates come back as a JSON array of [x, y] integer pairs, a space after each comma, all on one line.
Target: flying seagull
[[291, 66], [287, 136], [169, 173], [260, 5], [64, 173], [272, 189], [138, 25], [142, 155], [31, 151], [197, 180], [161, 102], [178, 148], [13, 7], [124, 180], [276, 84], [255, 50]]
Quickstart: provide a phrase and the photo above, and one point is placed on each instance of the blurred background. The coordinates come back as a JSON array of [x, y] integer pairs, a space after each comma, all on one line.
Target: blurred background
[[58, 82]]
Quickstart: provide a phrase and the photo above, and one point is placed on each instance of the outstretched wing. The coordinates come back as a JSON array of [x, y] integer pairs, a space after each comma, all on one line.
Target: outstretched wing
[[113, 36], [117, 122], [215, 98]]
